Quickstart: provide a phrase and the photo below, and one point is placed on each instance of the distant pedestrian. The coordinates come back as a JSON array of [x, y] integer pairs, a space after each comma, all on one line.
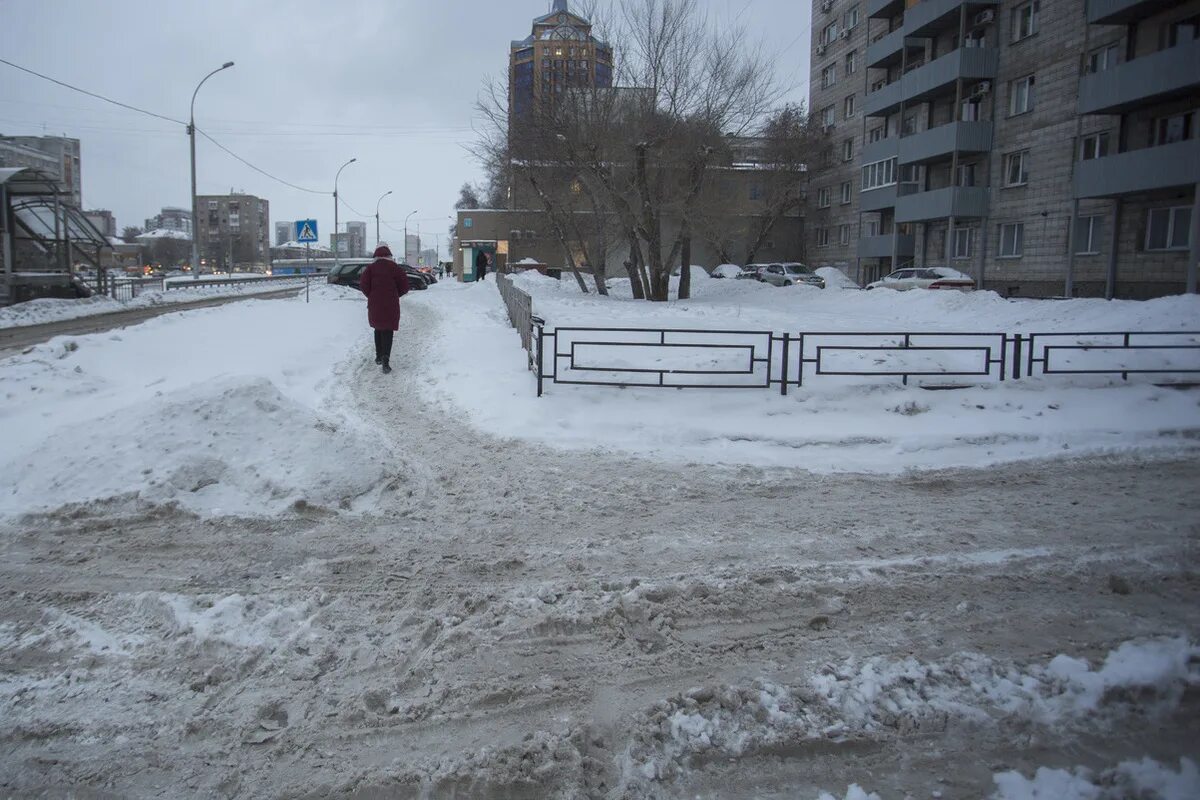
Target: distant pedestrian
[[481, 265], [384, 282]]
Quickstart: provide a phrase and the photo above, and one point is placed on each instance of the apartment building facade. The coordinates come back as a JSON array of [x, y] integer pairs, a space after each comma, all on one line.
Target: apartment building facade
[[1045, 148], [60, 156], [234, 231], [171, 218]]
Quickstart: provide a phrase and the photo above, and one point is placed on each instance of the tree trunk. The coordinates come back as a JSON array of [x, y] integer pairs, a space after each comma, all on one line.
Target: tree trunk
[[685, 263], [559, 232], [635, 275], [600, 269]]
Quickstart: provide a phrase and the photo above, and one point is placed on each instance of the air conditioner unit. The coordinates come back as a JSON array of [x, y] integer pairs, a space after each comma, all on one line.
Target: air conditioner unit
[[827, 5], [983, 87], [844, 34], [820, 49], [985, 17]]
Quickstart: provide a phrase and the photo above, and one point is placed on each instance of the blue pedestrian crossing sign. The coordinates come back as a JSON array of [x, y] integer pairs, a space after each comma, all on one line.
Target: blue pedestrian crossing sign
[[306, 230]]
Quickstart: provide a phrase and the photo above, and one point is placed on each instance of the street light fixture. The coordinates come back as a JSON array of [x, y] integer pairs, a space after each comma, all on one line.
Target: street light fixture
[[337, 262], [191, 129], [406, 219], [377, 202]]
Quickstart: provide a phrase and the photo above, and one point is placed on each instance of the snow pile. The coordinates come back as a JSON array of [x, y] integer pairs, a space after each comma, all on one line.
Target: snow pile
[[836, 279], [236, 446], [855, 792], [217, 411], [1146, 779], [164, 233], [879, 697]]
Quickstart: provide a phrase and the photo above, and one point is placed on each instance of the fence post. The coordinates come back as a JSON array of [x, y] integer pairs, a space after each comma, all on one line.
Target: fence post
[[787, 337], [907, 342], [1125, 375], [1017, 357], [540, 345], [306, 287]]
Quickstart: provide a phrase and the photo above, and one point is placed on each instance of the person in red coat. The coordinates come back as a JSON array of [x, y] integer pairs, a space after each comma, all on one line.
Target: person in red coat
[[384, 282]]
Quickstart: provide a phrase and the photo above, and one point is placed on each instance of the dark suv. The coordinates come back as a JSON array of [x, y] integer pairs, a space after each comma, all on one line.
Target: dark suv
[[349, 272]]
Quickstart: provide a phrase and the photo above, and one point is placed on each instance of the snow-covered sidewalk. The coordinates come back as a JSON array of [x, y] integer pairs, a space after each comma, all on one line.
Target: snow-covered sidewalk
[[232, 409]]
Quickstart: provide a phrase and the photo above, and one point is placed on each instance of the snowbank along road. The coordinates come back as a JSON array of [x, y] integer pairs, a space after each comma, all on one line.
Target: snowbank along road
[[506, 620]]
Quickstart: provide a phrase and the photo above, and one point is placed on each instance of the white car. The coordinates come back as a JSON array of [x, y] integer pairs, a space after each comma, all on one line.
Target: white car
[[925, 278], [726, 271]]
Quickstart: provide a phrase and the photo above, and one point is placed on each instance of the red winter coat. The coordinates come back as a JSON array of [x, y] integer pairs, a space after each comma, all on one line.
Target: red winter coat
[[384, 282]]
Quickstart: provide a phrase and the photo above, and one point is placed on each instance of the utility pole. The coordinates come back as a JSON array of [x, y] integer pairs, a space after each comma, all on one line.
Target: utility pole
[[337, 262], [191, 129], [377, 202]]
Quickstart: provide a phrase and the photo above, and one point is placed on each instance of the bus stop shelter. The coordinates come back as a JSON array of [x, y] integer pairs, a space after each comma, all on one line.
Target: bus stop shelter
[[43, 240]]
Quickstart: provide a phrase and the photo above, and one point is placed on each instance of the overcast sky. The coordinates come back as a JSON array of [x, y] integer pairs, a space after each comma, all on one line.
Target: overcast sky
[[392, 83]]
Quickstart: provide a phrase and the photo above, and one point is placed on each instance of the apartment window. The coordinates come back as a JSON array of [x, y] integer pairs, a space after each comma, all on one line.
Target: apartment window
[[829, 35], [1088, 231], [881, 173], [1177, 33], [822, 237], [829, 76], [829, 116], [851, 62], [1020, 95], [910, 175], [908, 126], [1175, 128], [843, 235], [876, 134], [970, 110], [845, 192], [1093, 146], [848, 107], [756, 191], [1016, 168], [212, 205], [1012, 240], [848, 149], [966, 175], [851, 18], [1168, 228], [1103, 58], [964, 240], [872, 227], [823, 197], [1025, 21]]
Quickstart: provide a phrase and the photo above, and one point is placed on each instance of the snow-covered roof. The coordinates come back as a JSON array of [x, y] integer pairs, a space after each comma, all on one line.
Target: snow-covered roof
[[165, 233]]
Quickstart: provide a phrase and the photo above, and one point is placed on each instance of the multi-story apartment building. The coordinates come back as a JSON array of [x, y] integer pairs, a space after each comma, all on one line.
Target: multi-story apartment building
[[1045, 148], [234, 231], [356, 232], [284, 231], [104, 221], [558, 55], [57, 155], [171, 218]]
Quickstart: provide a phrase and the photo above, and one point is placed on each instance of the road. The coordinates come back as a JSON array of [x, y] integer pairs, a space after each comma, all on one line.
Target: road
[[517, 622], [19, 338]]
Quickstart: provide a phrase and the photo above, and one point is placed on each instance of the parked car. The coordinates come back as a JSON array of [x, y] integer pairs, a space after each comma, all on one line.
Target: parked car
[[727, 271], [790, 274], [925, 278], [750, 271], [349, 272]]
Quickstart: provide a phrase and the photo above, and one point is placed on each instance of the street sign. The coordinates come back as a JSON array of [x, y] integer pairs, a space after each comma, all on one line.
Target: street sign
[[306, 230]]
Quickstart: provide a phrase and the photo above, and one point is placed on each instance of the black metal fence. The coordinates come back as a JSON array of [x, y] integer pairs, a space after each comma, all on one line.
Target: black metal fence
[[735, 359], [520, 312]]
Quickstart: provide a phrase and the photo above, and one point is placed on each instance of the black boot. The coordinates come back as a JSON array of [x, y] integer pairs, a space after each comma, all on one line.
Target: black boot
[[387, 368], [378, 359]]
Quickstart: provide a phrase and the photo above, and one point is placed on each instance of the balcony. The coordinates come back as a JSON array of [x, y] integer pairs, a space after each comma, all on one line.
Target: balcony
[[877, 199], [944, 140], [952, 201], [1123, 12], [880, 151], [929, 16], [1167, 74], [887, 50], [898, 244], [884, 8], [1165, 167], [968, 63]]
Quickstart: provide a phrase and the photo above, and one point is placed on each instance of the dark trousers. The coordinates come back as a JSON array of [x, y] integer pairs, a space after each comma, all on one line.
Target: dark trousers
[[383, 345]]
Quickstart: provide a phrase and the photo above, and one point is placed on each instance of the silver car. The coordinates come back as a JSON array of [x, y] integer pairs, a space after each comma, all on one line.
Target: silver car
[[925, 278], [789, 274]]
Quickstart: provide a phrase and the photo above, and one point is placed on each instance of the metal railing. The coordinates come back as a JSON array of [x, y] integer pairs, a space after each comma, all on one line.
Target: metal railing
[[187, 283], [689, 358], [520, 312]]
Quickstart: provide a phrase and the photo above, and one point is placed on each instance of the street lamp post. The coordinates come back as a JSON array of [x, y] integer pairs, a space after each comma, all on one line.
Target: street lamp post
[[191, 129], [337, 262], [377, 202], [406, 219]]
